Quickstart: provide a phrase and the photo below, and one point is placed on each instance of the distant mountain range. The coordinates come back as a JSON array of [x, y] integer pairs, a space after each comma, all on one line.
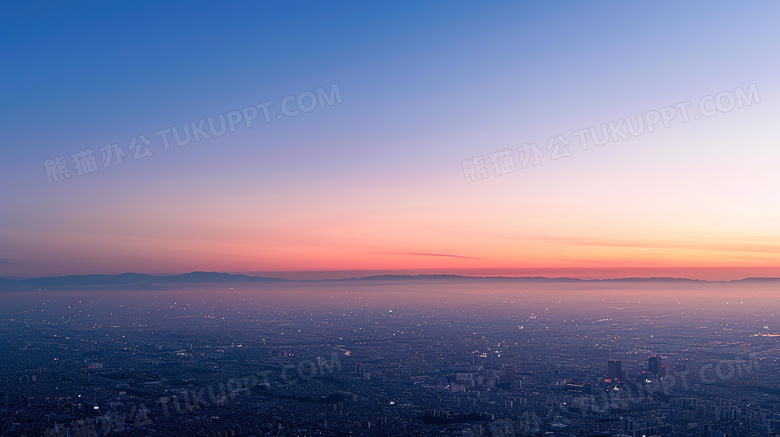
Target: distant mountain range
[[137, 280], [132, 280]]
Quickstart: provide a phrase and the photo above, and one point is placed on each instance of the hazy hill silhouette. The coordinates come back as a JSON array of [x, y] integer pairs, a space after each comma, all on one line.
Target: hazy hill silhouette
[[139, 280]]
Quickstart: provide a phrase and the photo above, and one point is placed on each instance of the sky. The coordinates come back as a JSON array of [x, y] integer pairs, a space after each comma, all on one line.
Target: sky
[[383, 174]]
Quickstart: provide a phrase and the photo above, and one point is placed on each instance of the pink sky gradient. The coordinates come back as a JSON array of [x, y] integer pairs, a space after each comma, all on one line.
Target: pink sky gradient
[[375, 183]]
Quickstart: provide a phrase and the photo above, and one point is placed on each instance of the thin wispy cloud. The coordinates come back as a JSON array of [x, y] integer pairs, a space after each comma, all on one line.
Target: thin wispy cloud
[[446, 255], [708, 246], [721, 244]]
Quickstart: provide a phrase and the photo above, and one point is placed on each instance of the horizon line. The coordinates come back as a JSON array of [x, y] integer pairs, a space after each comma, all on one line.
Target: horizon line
[[399, 275]]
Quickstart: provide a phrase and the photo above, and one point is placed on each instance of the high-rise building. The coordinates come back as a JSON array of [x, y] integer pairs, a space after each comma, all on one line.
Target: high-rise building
[[654, 365], [509, 376], [614, 369]]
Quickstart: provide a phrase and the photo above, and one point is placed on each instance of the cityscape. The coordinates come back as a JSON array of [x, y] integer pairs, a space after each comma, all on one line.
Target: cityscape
[[354, 360], [343, 218]]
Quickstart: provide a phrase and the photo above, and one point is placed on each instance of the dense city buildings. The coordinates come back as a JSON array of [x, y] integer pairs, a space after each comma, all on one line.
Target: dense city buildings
[[352, 359]]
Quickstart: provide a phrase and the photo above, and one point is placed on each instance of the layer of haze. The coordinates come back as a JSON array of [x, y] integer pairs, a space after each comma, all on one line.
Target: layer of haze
[[722, 301]]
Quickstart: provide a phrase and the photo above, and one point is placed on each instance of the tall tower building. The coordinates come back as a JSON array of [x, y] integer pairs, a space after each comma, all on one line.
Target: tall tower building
[[654, 365], [614, 369]]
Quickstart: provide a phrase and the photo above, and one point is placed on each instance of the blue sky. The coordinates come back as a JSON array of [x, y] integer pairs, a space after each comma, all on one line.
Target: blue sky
[[424, 85]]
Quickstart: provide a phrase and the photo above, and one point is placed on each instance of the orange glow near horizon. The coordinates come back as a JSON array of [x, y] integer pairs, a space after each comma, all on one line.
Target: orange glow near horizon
[[375, 182]]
